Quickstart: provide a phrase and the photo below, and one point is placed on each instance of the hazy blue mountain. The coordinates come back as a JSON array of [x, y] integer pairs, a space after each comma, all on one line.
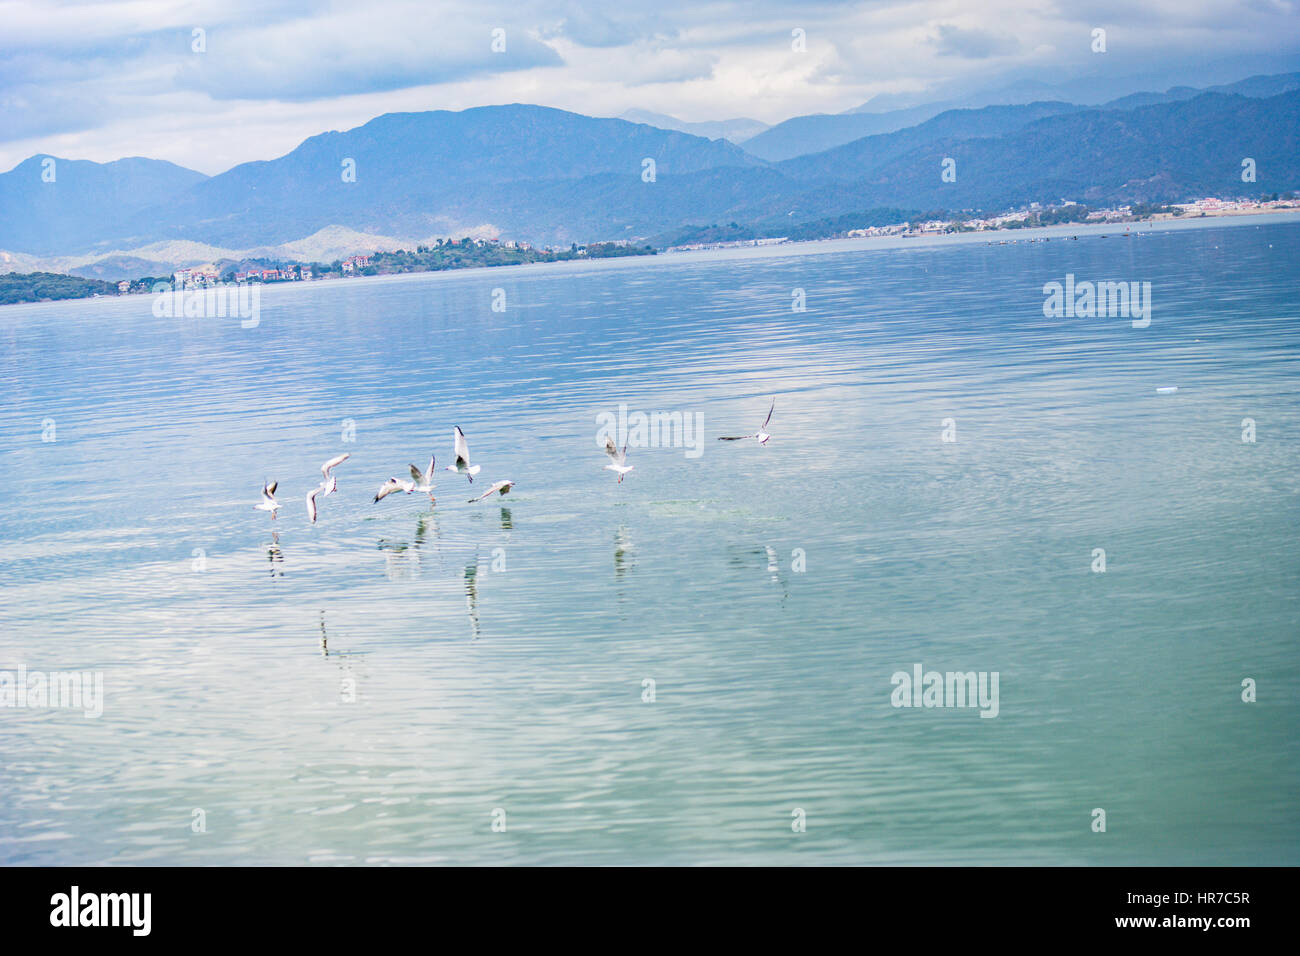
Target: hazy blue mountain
[[1167, 152], [1103, 80], [735, 130], [123, 267], [1255, 86], [1027, 91], [415, 174], [1172, 95], [821, 131], [1161, 153], [86, 200], [804, 135], [1260, 86], [857, 159]]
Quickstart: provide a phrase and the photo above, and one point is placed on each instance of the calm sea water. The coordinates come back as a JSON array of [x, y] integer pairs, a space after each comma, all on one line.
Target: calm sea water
[[373, 688]]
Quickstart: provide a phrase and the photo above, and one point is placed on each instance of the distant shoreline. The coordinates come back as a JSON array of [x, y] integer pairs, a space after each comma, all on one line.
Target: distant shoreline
[[800, 247], [987, 237]]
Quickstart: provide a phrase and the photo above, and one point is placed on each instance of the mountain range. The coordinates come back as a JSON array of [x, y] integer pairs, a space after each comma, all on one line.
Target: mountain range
[[813, 134], [553, 177]]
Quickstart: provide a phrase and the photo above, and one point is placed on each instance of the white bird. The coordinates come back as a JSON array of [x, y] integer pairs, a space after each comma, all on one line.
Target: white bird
[[268, 502], [619, 464], [391, 485], [424, 479], [761, 435], [330, 484], [462, 466], [501, 486], [311, 501]]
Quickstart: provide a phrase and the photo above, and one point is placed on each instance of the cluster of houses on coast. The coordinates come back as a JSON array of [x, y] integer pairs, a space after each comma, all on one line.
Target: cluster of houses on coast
[[1034, 214], [1226, 207], [204, 277], [1201, 207]]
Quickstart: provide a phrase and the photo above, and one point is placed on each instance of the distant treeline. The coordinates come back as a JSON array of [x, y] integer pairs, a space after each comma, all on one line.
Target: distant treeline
[[471, 254], [48, 286], [809, 229], [452, 254], [18, 287], [465, 254]]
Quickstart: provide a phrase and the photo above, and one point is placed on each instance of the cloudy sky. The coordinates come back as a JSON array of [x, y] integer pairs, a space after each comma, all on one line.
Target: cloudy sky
[[104, 80]]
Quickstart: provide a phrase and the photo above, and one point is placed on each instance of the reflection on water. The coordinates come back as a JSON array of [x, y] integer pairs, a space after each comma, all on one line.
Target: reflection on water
[[400, 561], [774, 573], [422, 526], [471, 596], [770, 592], [275, 555], [624, 558]]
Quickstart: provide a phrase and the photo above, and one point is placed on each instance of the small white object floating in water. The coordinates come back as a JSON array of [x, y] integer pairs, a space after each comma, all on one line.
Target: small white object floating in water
[[1166, 389]]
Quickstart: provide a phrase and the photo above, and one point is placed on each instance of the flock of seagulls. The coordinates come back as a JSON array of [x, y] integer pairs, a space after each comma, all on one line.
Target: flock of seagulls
[[422, 481]]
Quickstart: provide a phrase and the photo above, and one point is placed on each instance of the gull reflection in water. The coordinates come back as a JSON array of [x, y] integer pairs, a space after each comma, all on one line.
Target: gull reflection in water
[[275, 555], [743, 559], [427, 523], [471, 595], [398, 562], [624, 557]]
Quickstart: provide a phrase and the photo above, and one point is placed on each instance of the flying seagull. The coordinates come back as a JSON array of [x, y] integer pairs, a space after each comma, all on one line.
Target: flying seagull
[[501, 486], [761, 435], [330, 484], [268, 502], [311, 501], [424, 479], [391, 485], [462, 466], [619, 463]]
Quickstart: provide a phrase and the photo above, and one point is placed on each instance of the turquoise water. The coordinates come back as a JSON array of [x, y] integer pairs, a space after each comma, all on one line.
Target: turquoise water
[[371, 689]]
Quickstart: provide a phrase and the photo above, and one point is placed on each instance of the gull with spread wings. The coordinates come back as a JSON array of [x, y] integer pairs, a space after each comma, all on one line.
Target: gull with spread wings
[[330, 484], [462, 466], [498, 486], [311, 501], [268, 502], [424, 479], [761, 434], [619, 458], [391, 485]]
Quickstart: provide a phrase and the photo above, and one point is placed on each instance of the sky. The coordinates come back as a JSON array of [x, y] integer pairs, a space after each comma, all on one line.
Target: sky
[[210, 85]]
